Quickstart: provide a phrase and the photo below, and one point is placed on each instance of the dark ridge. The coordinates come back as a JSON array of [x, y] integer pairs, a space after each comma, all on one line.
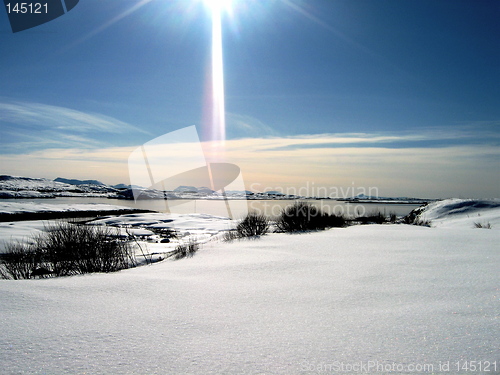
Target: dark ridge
[[73, 181]]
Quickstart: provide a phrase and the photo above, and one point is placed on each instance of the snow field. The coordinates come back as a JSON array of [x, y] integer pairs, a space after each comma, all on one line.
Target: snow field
[[284, 304], [201, 227]]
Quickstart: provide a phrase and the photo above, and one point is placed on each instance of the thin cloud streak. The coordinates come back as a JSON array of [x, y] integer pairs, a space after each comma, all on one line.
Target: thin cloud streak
[[61, 118], [244, 126], [50, 140], [342, 140]]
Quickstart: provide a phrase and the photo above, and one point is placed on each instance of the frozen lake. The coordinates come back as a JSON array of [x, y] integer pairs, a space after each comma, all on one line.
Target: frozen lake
[[238, 207]]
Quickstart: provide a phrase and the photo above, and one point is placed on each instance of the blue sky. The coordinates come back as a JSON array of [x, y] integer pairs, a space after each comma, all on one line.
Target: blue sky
[[402, 95]]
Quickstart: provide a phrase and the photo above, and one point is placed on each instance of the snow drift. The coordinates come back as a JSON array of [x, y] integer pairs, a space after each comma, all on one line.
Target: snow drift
[[386, 295], [463, 213]]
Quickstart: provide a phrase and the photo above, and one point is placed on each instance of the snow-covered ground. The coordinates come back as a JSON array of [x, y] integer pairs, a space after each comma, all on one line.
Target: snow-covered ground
[[192, 223], [23, 230], [26, 187], [199, 227], [463, 213], [12, 183], [363, 299]]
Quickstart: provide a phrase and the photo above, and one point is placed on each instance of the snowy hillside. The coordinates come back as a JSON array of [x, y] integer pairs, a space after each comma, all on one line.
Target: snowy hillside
[[463, 213], [376, 295], [26, 187], [26, 183]]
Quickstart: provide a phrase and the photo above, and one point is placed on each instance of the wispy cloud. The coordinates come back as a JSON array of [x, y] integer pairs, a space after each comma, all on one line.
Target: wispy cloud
[[244, 126], [32, 126], [48, 140], [426, 138], [61, 118]]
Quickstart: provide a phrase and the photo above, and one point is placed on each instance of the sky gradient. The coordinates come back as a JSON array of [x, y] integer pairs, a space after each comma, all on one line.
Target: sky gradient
[[400, 95]]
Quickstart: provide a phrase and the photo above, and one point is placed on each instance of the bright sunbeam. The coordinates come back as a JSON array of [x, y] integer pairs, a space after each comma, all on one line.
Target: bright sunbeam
[[217, 126], [218, 115]]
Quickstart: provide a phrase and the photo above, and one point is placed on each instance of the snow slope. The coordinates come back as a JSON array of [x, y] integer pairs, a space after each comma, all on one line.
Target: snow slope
[[12, 183], [371, 298], [463, 213], [26, 187], [284, 304]]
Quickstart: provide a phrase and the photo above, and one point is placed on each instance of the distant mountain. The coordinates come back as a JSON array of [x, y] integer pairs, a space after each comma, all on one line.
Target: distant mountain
[[121, 186], [205, 190], [239, 192], [273, 192], [79, 182]]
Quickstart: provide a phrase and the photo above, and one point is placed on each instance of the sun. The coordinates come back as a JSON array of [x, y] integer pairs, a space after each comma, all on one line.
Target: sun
[[218, 6]]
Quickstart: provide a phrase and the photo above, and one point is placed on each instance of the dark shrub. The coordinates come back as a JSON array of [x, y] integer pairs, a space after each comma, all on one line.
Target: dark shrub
[[186, 250], [230, 235], [333, 221], [18, 261], [77, 249], [482, 225], [67, 249], [41, 272], [376, 217], [253, 225], [414, 215], [301, 216], [422, 223]]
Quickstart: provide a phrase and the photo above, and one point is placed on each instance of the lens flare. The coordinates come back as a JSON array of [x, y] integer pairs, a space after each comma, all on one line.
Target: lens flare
[[215, 123], [218, 113]]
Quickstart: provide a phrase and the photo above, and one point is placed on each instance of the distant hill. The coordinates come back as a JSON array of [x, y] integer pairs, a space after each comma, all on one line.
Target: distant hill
[[79, 182], [17, 183], [27, 187], [273, 192], [205, 190]]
